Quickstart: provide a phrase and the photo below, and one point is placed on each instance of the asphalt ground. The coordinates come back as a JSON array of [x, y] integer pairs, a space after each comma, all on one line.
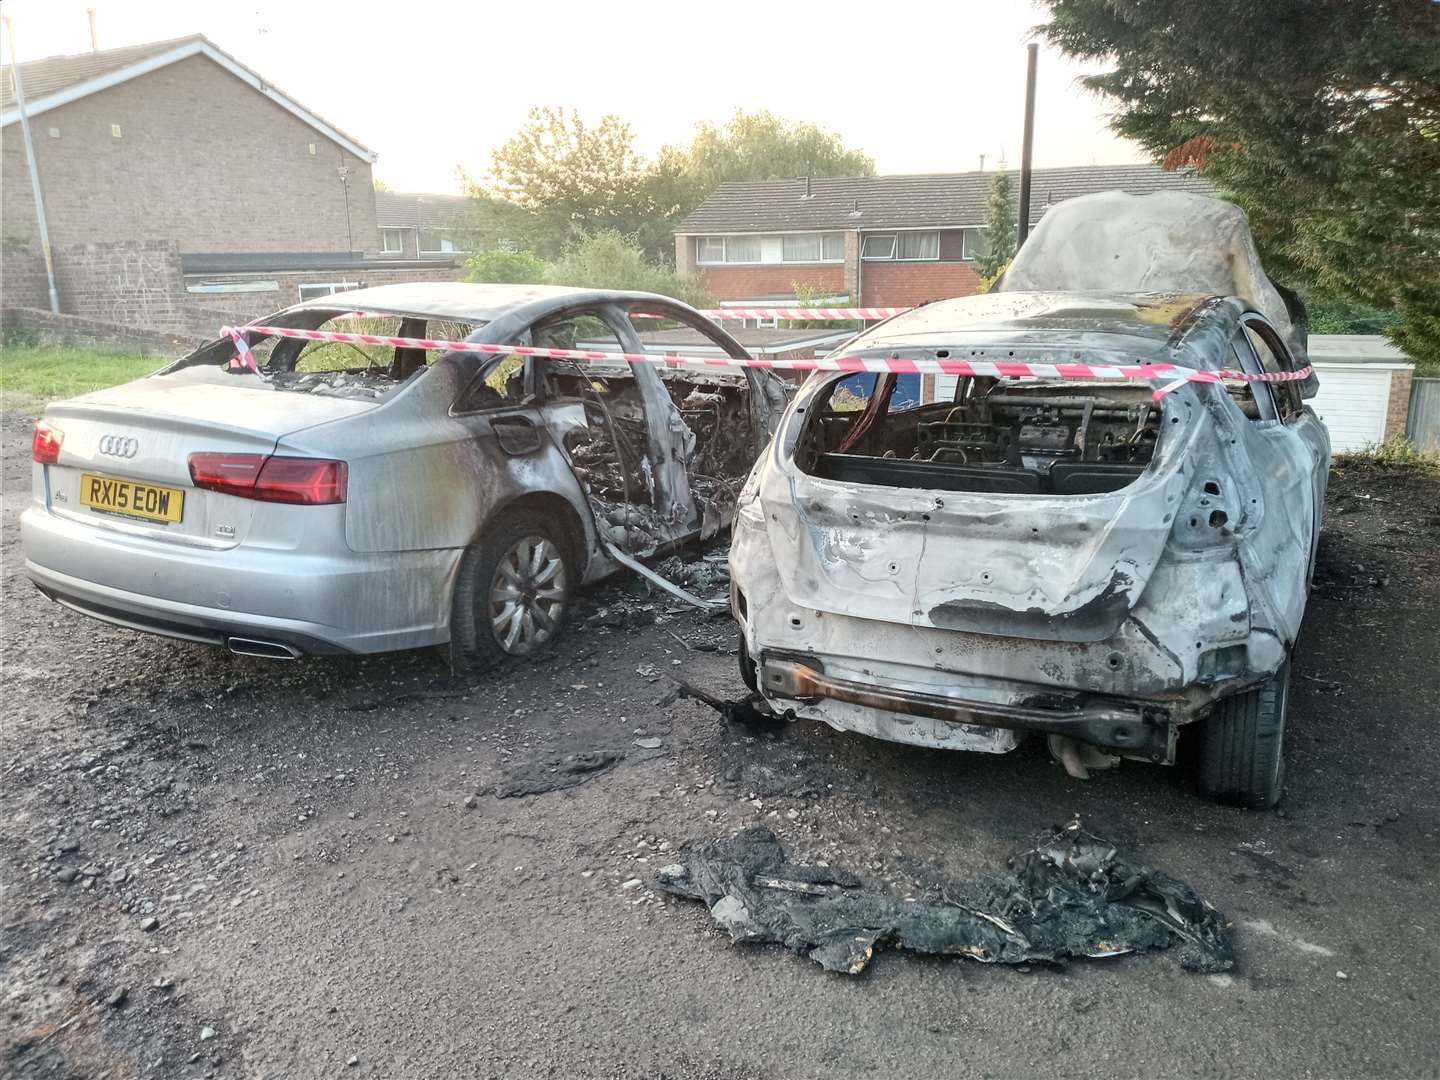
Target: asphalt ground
[[338, 890]]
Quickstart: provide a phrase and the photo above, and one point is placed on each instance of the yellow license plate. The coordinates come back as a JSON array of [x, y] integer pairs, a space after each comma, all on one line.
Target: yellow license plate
[[148, 501]]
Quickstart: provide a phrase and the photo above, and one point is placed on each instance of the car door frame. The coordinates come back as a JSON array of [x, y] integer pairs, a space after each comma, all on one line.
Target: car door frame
[[1304, 424]]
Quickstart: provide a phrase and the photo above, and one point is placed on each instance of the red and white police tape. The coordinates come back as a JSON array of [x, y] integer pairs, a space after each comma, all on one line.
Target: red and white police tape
[[1008, 369]]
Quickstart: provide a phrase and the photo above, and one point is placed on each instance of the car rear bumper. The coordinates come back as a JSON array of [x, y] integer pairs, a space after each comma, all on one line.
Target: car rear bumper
[[346, 602], [1130, 728]]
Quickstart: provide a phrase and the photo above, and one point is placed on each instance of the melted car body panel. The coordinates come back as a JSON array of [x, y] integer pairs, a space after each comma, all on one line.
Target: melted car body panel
[[1112, 615]]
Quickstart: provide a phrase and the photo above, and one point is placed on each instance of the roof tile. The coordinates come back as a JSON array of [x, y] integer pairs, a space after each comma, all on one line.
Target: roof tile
[[927, 200]]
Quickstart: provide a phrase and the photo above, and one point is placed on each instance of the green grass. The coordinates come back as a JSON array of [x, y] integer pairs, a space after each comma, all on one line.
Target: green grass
[[33, 375]]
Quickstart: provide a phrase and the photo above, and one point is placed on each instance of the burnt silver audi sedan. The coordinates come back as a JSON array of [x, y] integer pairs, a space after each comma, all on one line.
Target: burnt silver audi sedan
[[339, 498]]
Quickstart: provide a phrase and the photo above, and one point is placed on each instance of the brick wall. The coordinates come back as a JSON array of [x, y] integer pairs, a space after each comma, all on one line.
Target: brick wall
[[140, 284], [203, 160], [94, 333], [741, 282], [1397, 408], [133, 283], [22, 276], [902, 284]]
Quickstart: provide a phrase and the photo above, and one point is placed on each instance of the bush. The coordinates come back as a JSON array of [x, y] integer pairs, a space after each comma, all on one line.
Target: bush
[[502, 266], [609, 260]]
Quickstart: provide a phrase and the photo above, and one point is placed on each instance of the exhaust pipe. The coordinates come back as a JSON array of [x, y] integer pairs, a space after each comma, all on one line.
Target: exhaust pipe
[[266, 650]]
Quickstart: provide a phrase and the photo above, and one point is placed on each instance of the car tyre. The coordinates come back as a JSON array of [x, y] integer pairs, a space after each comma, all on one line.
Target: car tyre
[[1242, 745], [747, 668], [513, 594]]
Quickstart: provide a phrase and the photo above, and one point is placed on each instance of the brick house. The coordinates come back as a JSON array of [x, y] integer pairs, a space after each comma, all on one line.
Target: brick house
[[416, 225], [177, 182], [881, 241]]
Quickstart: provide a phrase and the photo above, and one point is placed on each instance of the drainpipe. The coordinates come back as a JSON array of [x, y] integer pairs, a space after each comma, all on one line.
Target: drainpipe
[[34, 171], [344, 172]]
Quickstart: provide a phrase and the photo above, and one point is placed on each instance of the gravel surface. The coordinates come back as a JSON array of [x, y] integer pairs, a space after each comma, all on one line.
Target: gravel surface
[[216, 866]]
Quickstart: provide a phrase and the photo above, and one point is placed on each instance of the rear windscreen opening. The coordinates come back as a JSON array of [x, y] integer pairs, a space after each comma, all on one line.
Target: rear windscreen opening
[[338, 368], [980, 434]]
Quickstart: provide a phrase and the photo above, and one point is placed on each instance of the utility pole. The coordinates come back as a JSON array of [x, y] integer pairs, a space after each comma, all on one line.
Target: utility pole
[[34, 171], [1025, 149]]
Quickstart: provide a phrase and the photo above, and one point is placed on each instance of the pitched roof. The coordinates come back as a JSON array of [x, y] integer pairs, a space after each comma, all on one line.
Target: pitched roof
[[59, 80], [44, 77], [413, 209], [927, 200]]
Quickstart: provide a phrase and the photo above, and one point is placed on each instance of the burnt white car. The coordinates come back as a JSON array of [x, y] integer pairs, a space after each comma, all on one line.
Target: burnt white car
[[346, 498], [1067, 557]]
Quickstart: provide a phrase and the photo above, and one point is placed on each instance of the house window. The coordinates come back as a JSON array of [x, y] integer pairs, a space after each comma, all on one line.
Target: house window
[[728, 249], [710, 249], [311, 290], [812, 247], [436, 242], [973, 244], [917, 246], [392, 241], [742, 249], [800, 248], [906, 246], [878, 246], [787, 248]]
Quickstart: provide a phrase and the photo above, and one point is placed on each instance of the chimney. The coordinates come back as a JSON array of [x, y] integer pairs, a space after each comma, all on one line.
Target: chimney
[[94, 31], [807, 187]]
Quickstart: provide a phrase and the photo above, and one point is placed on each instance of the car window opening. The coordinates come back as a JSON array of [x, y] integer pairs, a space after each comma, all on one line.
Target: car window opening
[[985, 435], [608, 457], [339, 368]]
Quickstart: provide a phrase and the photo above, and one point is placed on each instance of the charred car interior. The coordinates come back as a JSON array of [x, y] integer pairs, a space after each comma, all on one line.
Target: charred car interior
[[986, 436]]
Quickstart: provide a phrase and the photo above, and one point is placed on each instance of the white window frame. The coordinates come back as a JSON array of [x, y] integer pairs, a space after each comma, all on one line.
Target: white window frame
[[330, 287], [918, 232], [385, 237], [865, 243], [444, 238], [965, 232], [760, 238], [700, 259]]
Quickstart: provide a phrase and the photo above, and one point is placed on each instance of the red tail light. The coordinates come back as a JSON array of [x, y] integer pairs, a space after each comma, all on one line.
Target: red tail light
[[297, 480], [45, 445]]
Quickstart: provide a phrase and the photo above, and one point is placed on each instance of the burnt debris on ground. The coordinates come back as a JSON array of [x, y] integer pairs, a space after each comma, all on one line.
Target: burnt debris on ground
[[1072, 895]]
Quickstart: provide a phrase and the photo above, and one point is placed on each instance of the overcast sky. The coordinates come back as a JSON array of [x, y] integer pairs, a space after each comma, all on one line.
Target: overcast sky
[[434, 87]]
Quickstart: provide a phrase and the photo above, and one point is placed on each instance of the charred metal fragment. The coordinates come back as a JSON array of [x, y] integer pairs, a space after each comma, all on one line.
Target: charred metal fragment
[[750, 710], [1072, 895], [540, 775]]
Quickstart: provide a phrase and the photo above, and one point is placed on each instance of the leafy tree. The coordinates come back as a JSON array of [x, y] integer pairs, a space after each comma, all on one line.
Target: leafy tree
[[1001, 225], [750, 146], [609, 260], [560, 177], [1326, 315], [1320, 117], [505, 266]]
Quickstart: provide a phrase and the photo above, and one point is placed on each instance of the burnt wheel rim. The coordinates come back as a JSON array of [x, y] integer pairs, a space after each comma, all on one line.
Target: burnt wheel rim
[[527, 596]]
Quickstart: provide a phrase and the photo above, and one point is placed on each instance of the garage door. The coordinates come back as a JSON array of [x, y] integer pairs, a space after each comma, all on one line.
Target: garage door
[[1352, 402]]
